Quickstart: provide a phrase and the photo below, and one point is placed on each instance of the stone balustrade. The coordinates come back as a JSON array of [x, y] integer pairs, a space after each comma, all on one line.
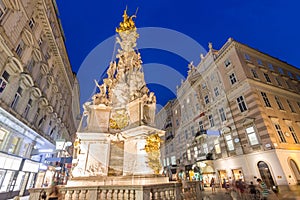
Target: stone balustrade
[[167, 191]]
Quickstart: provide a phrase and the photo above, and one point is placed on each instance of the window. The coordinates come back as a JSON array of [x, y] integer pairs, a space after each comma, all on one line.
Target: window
[[229, 142], [247, 57], [41, 121], [52, 131], [227, 62], [40, 42], [16, 98], [280, 106], [13, 145], [2, 9], [2, 136], [20, 48], [203, 85], [290, 75], [216, 90], [217, 146], [252, 135], [201, 127], [211, 120], [36, 115], [28, 106], [296, 139], [222, 114], [19, 181], [266, 100], [270, 66], [288, 84], [30, 65], [254, 73], [290, 106], [267, 77], [197, 107], [189, 157], [278, 81], [206, 99], [241, 104], [280, 133], [205, 148], [31, 23], [259, 62], [193, 131], [232, 78], [186, 134], [280, 70], [3, 81]]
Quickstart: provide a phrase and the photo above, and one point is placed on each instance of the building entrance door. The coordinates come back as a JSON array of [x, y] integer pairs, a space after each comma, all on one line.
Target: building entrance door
[[295, 170], [265, 174]]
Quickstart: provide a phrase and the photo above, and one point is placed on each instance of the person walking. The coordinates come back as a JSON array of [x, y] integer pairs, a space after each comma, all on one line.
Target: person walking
[[263, 189], [213, 185]]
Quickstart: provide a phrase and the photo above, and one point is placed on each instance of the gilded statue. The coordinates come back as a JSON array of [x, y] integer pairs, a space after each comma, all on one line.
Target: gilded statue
[[127, 24]]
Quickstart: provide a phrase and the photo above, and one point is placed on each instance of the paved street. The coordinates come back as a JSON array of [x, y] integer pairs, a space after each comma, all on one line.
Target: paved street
[[221, 194]]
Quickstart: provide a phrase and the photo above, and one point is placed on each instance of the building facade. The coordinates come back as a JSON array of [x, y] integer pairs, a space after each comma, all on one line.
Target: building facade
[[39, 93], [251, 102]]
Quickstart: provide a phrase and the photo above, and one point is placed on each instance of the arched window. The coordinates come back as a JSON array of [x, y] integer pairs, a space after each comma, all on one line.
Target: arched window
[[295, 170]]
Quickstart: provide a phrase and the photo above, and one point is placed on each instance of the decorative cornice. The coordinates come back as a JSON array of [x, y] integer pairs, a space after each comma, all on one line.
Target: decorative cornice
[[41, 9]]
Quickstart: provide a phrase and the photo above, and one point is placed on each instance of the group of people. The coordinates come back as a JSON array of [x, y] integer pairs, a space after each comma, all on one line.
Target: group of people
[[259, 191]]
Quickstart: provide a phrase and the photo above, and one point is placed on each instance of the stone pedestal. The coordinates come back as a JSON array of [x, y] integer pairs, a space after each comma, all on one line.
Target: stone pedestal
[[135, 157], [93, 159], [135, 109], [98, 120]]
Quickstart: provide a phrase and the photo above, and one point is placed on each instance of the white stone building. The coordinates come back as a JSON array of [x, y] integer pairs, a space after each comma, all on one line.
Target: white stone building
[[39, 93], [252, 101]]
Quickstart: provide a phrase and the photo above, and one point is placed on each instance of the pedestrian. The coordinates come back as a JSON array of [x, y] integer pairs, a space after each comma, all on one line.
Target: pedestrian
[[45, 184], [213, 185], [253, 191], [263, 189]]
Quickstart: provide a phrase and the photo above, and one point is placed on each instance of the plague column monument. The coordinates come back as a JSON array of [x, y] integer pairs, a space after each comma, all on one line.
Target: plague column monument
[[116, 141]]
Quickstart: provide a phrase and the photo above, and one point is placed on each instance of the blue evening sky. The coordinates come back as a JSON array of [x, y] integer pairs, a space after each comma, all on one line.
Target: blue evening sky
[[271, 26]]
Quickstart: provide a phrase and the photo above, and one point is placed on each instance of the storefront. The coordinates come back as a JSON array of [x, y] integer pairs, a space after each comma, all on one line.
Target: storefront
[[16, 175], [207, 171]]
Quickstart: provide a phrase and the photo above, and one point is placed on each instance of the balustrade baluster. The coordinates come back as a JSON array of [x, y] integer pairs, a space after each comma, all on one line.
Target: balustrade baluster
[[109, 194], [63, 194], [83, 194], [115, 194], [121, 195], [104, 194], [162, 194], [99, 194], [70, 194], [77, 192], [132, 195], [126, 194]]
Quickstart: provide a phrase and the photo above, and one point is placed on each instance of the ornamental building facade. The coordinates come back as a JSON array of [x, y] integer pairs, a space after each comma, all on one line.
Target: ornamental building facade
[[240, 117], [39, 93]]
